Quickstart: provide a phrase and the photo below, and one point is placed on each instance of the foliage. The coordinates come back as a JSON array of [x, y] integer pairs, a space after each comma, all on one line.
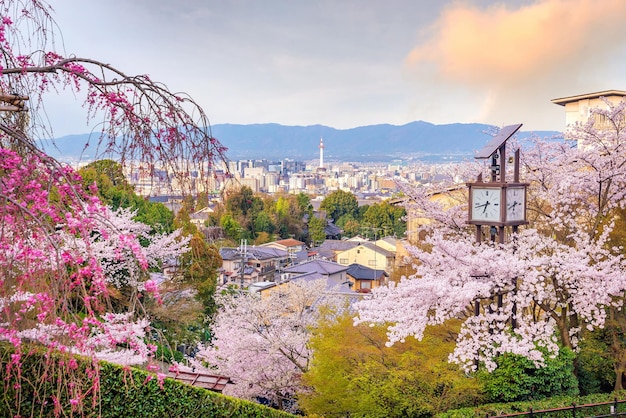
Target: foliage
[[555, 277], [63, 253], [60, 257], [385, 218], [518, 379], [559, 407], [317, 230], [199, 268], [231, 226], [116, 192], [597, 360], [261, 341], [350, 226], [339, 203], [121, 392], [303, 202], [353, 373], [248, 215]]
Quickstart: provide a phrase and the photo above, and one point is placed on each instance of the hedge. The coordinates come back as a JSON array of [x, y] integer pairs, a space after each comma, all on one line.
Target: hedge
[[497, 409], [50, 383]]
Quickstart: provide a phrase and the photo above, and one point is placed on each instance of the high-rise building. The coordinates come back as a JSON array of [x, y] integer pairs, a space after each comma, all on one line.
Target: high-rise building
[[321, 153]]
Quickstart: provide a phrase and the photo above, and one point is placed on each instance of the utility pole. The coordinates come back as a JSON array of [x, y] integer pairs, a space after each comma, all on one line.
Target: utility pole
[[243, 246]]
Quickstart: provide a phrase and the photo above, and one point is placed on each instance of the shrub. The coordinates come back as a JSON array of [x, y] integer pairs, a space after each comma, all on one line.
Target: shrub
[[50, 383]]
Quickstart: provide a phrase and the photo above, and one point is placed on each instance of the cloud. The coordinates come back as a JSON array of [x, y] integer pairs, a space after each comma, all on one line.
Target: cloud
[[547, 47]]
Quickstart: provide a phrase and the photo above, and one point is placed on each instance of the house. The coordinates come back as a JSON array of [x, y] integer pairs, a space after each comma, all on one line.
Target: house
[[577, 108], [199, 217], [259, 264], [332, 271], [388, 243], [337, 285], [292, 246], [364, 279], [331, 247], [368, 254]]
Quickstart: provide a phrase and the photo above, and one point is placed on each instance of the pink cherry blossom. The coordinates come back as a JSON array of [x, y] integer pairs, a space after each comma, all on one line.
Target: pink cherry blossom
[[556, 276]]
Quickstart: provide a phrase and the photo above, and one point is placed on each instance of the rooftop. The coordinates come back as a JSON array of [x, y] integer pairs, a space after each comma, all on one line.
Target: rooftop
[[565, 100], [360, 272], [316, 266]]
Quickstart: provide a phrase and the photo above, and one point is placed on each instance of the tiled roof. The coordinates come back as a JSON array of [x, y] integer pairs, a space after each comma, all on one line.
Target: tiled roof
[[252, 253], [338, 245], [361, 272], [333, 285], [378, 249], [316, 266], [289, 242]]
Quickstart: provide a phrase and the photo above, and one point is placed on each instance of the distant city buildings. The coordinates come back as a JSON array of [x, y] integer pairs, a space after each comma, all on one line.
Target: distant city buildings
[[371, 181]]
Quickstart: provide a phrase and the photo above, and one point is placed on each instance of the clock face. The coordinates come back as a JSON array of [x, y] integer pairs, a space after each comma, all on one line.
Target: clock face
[[515, 204], [486, 204]]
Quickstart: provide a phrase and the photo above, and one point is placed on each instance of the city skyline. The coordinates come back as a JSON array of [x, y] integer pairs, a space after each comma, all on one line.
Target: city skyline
[[352, 63]]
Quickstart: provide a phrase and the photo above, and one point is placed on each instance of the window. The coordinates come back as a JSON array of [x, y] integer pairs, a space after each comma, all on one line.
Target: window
[[343, 261], [366, 284], [371, 263]]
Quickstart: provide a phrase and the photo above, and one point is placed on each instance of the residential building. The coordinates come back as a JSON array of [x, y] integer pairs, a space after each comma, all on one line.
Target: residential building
[[331, 247], [247, 265], [292, 246], [200, 217], [364, 279], [335, 272], [578, 109], [368, 254]]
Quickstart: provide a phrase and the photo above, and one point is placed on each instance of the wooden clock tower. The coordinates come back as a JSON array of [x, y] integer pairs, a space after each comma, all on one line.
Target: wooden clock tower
[[497, 203]]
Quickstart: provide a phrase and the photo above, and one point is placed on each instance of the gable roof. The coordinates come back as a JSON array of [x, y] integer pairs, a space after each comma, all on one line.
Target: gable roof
[[360, 272], [288, 242], [374, 247], [389, 240], [606, 93], [316, 266], [252, 253], [337, 245], [332, 285]]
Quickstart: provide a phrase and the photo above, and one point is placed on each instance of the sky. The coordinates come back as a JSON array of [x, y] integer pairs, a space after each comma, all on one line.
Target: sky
[[349, 63]]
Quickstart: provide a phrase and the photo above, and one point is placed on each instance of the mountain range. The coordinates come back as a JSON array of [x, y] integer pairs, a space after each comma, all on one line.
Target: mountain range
[[384, 142]]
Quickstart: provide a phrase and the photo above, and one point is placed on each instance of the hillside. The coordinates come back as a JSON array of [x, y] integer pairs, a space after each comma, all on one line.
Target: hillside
[[365, 143]]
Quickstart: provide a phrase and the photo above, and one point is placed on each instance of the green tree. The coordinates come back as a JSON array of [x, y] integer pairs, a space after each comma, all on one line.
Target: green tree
[[518, 379], [183, 221], [239, 202], [244, 206], [386, 218], [263, 223], [282, 207], [339, 203], [353, 373], [199, 267], [304, 203], [350, 226], [317, 227], [115, 191], [231, 227], [602, 356]]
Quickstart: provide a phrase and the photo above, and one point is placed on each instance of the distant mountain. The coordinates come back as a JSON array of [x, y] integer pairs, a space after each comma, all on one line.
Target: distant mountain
[[366, 143]]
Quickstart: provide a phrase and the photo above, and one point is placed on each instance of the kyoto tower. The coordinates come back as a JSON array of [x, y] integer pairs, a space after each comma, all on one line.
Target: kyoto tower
[[321, 153]]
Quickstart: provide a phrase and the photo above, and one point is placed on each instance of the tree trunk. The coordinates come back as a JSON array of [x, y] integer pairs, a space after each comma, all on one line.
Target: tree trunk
[[620, 368]]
